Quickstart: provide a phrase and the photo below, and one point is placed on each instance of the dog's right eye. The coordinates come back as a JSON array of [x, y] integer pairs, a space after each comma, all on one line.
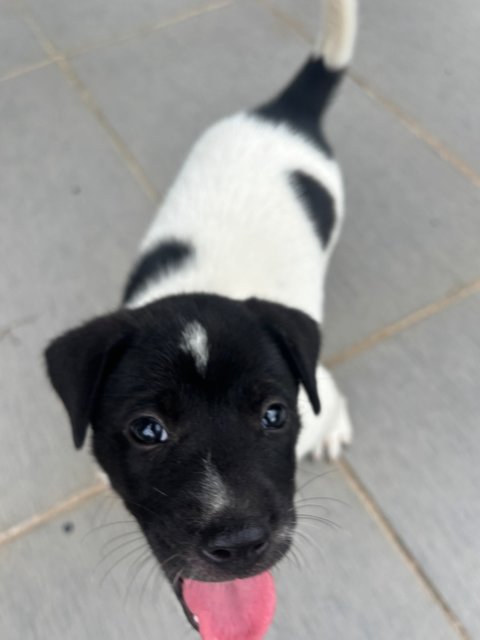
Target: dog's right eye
[[148, 431]]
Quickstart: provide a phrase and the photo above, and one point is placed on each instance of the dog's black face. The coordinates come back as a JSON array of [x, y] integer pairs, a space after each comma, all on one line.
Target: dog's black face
[[192, 401]]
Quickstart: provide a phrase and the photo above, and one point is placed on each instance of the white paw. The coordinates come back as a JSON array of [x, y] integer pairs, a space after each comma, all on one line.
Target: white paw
[[338, 436]]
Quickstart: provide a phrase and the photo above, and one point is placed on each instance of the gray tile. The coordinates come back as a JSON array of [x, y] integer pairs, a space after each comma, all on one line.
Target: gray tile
[[76, 24], [55, 585], [415, 403], [184, 77], [424, 57], [71, 218], [412, 225], [18, 48]]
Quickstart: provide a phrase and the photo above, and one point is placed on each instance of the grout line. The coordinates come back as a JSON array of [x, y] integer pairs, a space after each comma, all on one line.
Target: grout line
[[20, 322], [393, 537], [408, 121], [122, 149], [147, 29], [289, 20], [41, 518], [412, 319], [45, 43], [22, 70], [87, 98]]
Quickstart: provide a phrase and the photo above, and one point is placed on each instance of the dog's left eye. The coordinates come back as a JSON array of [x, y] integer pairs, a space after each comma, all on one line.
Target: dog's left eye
[[274, 417], [147, 430]]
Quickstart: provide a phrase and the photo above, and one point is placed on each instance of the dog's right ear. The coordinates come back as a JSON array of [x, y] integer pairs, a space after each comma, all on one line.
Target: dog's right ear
[[79, 360]]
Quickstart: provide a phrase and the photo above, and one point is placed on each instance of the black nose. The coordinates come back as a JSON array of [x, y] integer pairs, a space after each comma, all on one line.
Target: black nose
[[244, 544]]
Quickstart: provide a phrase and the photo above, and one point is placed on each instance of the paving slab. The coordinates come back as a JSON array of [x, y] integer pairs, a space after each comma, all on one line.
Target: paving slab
[[415, 404], [81, 576], [18, 48], [72, 25], [423, 56], [71, 218]]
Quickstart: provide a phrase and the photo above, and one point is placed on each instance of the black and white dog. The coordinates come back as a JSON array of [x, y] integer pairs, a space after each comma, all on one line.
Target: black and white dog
[[205, 387]]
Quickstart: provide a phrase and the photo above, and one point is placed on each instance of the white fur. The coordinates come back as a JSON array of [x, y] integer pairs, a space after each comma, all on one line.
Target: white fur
[[195, 342], [234, 202], [331, 429], [214, 492], [337, 44]]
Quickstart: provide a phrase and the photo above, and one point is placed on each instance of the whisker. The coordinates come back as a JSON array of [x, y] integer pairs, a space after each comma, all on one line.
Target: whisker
[[305, 536], [293, 554], [141, 563], [122, 559], [150, 573], [313, 518], [301, 553], [115, 549], [161, 569], [323, 498], [308, 505], [125, 534], [162, 493], [141, 506], [108, 524], [316, 477]]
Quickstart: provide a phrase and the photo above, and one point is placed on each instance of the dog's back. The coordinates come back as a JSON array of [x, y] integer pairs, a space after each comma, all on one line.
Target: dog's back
[[257, 207]]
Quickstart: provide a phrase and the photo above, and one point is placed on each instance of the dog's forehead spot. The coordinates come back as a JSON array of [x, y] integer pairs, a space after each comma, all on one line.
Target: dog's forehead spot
[[194, 341]]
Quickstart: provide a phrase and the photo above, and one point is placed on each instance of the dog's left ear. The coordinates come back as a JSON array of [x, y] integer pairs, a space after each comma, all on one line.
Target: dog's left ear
[[79, 360], [298, 338]]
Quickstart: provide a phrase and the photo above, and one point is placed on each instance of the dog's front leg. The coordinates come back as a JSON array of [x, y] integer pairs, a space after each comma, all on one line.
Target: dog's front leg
[[329, 431]]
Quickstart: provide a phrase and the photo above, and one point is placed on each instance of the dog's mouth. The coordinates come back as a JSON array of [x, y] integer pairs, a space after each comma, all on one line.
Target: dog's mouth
[[232, 607], [240, 609]]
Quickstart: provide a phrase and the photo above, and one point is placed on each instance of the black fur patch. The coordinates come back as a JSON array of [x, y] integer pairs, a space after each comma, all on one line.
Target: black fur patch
[[164, 258], [318, 203], [302, 103]]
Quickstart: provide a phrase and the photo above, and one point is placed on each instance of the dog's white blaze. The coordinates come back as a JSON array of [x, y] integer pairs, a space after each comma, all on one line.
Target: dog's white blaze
[[195, 342], [215, 494], [337, 43]]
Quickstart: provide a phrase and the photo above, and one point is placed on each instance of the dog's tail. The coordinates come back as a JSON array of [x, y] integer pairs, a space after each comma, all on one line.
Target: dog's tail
[[302, 103], [335, 44]]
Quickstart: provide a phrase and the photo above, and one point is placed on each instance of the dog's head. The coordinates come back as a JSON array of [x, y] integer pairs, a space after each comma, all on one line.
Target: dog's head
[[193, 405]]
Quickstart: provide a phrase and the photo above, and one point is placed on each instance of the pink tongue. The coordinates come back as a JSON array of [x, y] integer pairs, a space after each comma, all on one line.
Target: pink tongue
[[236, 610]]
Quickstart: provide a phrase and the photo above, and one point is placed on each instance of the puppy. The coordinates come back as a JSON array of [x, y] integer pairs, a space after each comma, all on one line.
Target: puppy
[[205, 387]]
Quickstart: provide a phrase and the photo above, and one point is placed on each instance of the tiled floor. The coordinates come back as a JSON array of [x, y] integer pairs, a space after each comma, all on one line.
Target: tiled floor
[[99, 102]]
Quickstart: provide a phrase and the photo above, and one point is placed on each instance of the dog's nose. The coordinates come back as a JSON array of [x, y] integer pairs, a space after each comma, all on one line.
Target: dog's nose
[[245, 544]]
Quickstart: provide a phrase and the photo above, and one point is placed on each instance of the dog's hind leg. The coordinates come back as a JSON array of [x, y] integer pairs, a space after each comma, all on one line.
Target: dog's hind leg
[[327, 432]]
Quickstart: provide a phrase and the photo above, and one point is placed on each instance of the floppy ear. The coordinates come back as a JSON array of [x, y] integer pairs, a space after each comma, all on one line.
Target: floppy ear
[[79, 360], [297, 336]]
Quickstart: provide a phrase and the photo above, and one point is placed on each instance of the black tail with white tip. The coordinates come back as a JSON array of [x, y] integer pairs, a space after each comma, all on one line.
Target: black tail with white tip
[[302, 103]]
